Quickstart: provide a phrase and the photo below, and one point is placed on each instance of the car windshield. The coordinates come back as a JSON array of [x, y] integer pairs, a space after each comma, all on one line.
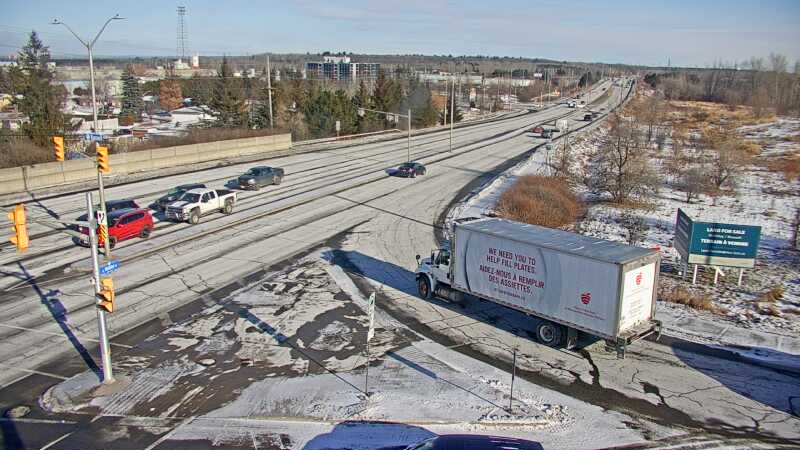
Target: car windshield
[[191, 198], [175, 191], [407, 166], [252, 172]]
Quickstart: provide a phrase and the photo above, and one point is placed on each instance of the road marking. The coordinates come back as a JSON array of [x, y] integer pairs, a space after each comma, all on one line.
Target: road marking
[[47, 374], [168, 434], [56, 441], [59, 334]]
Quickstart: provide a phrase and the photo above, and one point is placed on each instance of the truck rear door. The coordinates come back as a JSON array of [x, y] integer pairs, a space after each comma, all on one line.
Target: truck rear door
[[637, 296]]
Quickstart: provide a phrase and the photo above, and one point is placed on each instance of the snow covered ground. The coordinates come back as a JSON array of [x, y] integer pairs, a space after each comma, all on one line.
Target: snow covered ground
[[762, 198]]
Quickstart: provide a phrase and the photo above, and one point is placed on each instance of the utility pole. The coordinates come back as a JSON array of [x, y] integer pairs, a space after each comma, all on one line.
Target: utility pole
[[269, 94], [105, 348], [89, 46], [452, 108]]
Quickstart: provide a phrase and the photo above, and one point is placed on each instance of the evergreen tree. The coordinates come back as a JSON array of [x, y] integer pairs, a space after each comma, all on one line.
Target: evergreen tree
[[367, 121], [261, 117], [444, 116], [228, 99], [170, 95], [387, 93], [40, 100], [132, 104]]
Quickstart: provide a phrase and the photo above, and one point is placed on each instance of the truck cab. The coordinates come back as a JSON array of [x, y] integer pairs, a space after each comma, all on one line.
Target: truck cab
[[433, 274]]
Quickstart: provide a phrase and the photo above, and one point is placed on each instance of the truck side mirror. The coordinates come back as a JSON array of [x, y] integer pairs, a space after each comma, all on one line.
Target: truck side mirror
[[417, 257]]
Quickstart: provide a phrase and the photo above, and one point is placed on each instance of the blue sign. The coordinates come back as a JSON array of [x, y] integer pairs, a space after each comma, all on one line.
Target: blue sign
[[98, 137], [716, 244], [112, 266]]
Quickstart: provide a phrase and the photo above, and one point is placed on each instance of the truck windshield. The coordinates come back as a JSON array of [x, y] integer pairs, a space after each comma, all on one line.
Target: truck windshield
[[191, 198]]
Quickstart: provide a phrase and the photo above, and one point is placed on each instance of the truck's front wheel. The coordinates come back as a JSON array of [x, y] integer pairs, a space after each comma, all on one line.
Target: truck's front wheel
[[424, 287], [194, 217], [549, 333]]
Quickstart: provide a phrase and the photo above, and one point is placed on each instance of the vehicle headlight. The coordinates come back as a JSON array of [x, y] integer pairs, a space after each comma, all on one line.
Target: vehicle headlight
[[251, 181]]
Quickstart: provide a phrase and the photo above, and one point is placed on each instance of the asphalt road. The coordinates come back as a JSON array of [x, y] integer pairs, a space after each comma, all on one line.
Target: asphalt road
[[47, 317]]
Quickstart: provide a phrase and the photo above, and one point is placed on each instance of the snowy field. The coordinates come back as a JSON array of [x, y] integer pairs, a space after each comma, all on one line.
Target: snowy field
[[761, 198]]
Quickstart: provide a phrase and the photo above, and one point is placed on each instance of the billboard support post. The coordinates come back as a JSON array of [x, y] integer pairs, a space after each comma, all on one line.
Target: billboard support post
[[741, 272], [694, 276]]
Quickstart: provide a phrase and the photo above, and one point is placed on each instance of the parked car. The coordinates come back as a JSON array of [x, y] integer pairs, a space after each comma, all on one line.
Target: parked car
[[260, 176], [474, 442], [124, 224], [198, 202], [537, 130], [176, 193], [410, 169], [547, 134]]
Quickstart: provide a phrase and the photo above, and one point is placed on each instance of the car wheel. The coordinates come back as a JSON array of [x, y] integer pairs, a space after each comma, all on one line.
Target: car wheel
[[145, 233], [414, 174], [278, 180], [112, 242], [549, 333], [194, 217], [256, 187], [424, 287], [228, 208]]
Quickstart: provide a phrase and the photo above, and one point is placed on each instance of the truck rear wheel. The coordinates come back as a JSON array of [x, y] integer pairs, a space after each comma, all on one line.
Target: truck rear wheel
[[424, 287], [549, 333], [228, 208]]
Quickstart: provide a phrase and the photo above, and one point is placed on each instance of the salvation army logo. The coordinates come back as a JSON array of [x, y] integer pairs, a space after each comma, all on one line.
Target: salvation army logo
[[586, 297], [639, 279]]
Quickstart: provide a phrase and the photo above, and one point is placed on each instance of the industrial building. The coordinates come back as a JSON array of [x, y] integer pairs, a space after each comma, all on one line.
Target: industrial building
[[340, 68]]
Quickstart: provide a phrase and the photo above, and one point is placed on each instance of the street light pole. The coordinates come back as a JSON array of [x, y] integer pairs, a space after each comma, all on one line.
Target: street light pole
[[89, 46], [452, 107]]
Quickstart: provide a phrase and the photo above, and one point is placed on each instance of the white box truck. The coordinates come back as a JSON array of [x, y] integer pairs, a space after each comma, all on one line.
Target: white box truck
[[572, 283]]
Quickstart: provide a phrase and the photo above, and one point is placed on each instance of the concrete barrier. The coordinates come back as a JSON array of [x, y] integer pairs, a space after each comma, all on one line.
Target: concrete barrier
[[26, 178]]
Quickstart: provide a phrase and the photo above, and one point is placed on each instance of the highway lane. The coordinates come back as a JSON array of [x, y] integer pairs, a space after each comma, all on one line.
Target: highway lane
[[51, 300]]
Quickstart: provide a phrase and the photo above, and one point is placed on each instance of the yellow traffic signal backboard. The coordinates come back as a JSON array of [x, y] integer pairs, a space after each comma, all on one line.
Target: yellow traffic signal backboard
[[102, 159], [58, 147], [20, 227]]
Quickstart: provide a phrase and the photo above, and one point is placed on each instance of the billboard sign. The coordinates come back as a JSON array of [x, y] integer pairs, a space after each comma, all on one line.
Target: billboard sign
[[716, 244]]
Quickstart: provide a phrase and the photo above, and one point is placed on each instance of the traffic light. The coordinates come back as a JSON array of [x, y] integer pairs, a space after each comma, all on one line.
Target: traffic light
[[106, 295], [58, 147], [102, 159], [17, 218]]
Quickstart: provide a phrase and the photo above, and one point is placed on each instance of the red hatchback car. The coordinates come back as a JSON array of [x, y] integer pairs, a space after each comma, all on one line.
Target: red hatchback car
[[125, 224]]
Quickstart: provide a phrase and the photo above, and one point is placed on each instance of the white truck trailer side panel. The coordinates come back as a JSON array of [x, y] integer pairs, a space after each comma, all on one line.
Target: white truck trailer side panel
[[573, 289], [637, 296]]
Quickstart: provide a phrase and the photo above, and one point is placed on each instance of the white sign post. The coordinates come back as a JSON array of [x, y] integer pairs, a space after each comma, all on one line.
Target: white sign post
[[370, 335], [338, 128]]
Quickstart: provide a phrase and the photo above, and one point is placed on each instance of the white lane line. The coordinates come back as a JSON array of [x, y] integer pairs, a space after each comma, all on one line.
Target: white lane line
[[52, 375], [58, 334], [57, 441]]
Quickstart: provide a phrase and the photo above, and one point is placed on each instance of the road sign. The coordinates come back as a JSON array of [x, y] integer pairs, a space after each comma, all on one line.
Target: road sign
[[101, 217], [97, 137], [112, 266], [338, 126], [371, 314]]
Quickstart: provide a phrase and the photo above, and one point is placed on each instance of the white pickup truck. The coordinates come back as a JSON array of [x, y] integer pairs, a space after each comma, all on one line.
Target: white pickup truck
[[196, 203]]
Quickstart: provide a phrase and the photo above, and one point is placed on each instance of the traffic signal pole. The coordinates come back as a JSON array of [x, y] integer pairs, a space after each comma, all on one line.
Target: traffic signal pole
[[106, 245], [105, 348]]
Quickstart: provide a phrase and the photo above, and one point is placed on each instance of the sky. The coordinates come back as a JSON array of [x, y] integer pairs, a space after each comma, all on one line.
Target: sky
[[694, 33]]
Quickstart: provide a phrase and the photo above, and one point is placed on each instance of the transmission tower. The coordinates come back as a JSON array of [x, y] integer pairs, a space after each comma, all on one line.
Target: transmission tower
[[183, 35]]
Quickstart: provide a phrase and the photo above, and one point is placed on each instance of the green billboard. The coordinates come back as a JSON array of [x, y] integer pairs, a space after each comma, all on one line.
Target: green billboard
[[716, 244]]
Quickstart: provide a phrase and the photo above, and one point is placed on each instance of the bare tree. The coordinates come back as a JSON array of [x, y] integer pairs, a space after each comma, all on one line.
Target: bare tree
[[635, 228], [692, 182], [620, 167], [726, 164]]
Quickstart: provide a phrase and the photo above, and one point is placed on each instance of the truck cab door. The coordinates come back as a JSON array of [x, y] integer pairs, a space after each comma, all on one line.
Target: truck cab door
[[440, 267]]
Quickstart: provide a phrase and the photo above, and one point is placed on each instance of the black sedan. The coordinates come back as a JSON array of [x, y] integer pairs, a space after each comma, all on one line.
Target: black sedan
[[260, 176], [175, 193], [410, 170]]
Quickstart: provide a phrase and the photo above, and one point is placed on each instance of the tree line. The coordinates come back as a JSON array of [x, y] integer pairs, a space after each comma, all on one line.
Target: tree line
[[762, 83]]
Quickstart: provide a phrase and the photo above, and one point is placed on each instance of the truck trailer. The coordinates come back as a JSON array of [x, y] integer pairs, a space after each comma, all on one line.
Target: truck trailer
[[572, 283]]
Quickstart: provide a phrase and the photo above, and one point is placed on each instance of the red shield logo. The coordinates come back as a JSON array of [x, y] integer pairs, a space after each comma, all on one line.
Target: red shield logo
[[586, 297], [639, 279]]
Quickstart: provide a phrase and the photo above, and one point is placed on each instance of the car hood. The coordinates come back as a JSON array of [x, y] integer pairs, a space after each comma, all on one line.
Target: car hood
[[167, 198], [179, 204], [246, 177]]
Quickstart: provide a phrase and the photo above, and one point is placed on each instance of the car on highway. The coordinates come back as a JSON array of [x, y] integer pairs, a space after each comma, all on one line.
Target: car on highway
[[260, 176], [547, 134], [411, 169], [175, 193], [198, 202], [588, 117], [537, 130], [124, 224], [471, 442], [113, 205]]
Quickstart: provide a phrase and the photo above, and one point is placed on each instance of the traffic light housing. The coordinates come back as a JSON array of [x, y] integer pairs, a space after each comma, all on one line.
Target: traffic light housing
[[102, 159], [20, 227], [105, 298], [58, 147]]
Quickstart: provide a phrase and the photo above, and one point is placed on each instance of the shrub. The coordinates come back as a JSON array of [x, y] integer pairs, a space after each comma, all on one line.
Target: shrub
[[772, 295], [195, 136], [682, 296], [23, 152], [540, 200]]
